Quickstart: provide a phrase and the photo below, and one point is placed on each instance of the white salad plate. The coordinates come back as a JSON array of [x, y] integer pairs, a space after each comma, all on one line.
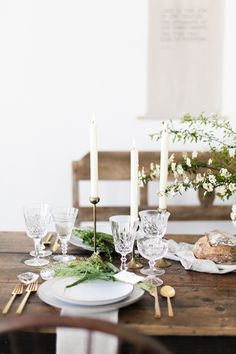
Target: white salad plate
[[46, 294], [92, 292]]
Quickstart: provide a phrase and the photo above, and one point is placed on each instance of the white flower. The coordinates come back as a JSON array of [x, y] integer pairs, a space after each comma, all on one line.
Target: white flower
[[232, 152], [180, 170], [232, 187], [186, 180], [225, 173], [199, 178], [212, 179], [188, 162], [234, 208], [185, 155], [151, 166], [209, 162], [233, 216], [173, 166], [171, 158], [143, 174], [194, 154], [157, 171], [221, 190], [208, 187], [175, 174]]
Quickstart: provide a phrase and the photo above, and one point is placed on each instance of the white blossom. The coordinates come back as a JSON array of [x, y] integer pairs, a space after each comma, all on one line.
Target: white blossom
[[186, 180], [188, 162], [208, 187], [225, 173], [180, 170], [234, 208], [212, 179], [221, 190], [232, 187], [209, 162], [173, 166], [194, 154], [199, 178], [185, 155], [171, 158], [232, 152]]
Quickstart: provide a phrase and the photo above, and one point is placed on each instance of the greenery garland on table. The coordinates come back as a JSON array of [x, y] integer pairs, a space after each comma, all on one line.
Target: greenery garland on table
[[92, 268], [218, 174], [87, 269], [104, 241]]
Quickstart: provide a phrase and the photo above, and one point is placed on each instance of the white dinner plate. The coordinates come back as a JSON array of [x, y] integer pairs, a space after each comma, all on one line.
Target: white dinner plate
[[76, 241], [45, 294], [91, 293]]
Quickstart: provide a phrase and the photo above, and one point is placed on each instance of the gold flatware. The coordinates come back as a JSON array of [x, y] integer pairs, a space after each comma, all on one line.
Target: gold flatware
[[47, 242], [56, 245], [154, 292], [31, 287], [168, 292], [18, 290]]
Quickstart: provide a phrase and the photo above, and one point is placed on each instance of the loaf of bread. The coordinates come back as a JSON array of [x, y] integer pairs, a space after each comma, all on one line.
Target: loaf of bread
[[216, 246]]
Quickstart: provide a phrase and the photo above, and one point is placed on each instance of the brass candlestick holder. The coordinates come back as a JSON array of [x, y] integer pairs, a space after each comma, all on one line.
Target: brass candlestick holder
[[94, 201], [133, 263]]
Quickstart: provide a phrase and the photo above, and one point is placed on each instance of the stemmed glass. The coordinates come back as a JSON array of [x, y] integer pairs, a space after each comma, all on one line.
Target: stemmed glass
[[42, 251], [123, 232], [153, 224], [152, 248], [37, 219], [64, 220]]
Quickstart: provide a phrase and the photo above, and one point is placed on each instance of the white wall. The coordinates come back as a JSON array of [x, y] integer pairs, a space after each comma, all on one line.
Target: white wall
[[60, 62]]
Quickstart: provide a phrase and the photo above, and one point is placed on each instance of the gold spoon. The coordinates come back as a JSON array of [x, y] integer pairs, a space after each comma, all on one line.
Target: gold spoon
[[168, 292]]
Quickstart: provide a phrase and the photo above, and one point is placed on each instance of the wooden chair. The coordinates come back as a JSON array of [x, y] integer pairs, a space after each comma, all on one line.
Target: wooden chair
[[115, 165], [30, 335]]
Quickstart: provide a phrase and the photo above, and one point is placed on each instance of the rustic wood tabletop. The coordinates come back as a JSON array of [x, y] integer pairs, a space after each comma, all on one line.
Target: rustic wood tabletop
[[204, 304]]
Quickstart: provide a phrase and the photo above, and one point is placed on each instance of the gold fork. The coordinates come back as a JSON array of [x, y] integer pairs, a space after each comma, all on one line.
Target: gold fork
[[31, 287], [18, 290], [153, 292]]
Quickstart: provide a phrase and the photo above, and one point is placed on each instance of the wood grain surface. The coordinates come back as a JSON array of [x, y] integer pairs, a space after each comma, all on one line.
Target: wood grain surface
[[204, 305]]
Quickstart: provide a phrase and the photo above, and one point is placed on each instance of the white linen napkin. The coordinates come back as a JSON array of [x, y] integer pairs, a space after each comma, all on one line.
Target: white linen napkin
[[74, 341], [183, 252]]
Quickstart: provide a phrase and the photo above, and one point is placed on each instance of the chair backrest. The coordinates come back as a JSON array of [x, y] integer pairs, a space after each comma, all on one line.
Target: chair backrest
[[115, 165], [29, 334]]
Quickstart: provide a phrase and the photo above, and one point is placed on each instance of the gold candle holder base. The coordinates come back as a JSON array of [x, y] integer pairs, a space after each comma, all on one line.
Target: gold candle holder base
[[163, 263], [94, 201], [133, 264]]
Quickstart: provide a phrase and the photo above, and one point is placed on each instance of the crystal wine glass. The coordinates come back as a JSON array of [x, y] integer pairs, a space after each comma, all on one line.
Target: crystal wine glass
[[42, 251], [37, 219], [64, 220], [154, 222], [123, 232], [152, 248]]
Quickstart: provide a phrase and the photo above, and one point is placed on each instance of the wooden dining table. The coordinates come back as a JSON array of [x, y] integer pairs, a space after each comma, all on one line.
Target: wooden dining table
[[204, 305]]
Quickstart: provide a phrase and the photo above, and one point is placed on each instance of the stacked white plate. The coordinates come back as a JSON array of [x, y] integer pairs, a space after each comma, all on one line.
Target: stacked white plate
[[89, 296]]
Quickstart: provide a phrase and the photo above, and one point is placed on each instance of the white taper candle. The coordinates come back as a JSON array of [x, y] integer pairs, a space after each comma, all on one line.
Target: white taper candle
[[93, 161], [164, 167], [134, 189]]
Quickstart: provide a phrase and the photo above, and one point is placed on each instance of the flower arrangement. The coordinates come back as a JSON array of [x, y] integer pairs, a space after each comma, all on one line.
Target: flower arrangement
[[216, 174]]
